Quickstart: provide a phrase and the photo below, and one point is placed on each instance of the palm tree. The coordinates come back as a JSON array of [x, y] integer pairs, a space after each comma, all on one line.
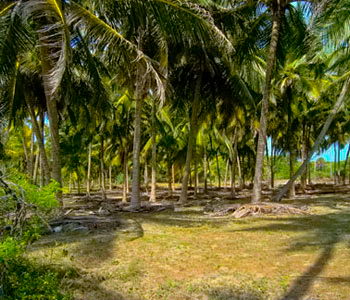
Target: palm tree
[[337, 32]]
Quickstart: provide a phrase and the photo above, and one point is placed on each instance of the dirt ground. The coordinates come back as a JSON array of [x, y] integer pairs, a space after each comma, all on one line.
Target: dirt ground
[[187, 253]]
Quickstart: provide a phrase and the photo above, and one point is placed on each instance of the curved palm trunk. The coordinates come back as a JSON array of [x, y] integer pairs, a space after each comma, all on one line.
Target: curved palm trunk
[[337, 106], [276, 24], [191, 141]]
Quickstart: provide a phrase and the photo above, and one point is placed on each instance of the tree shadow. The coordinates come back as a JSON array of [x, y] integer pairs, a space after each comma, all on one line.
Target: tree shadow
[[321, 231], [232, 294], [99, 245], [184, 219]]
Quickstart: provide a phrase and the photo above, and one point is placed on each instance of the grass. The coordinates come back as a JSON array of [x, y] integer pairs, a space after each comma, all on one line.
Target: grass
[[190, 256]]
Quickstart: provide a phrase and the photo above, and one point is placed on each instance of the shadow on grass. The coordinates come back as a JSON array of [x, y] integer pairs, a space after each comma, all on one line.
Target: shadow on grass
[[184, 219], [29, 279], [99, 245], [230, 294], [320, 232]]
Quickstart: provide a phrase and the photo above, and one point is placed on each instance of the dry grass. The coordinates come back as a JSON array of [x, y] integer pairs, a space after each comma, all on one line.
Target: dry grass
[[187, 255]]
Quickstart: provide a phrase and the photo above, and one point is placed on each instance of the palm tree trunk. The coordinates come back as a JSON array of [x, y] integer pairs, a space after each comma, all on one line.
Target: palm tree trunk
[[291, 194], [205, 170], [303, 157], [39, 139], [145, 176], [42, 173], [78, 181], [345, 163], [240, 177], [88, 180], [276, 24], [173, 177], [218, 169], [233, 179], [195, 178], [273, 161], [52, 113], [135, 192], [169, 175], [125, 179], [36, 167], [152, 197], [191, 141], [102, 170], [25, 152], [32, 156], [337, 106]]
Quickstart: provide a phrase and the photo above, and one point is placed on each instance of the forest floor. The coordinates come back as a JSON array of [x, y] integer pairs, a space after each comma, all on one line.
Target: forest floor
[[188, 254]]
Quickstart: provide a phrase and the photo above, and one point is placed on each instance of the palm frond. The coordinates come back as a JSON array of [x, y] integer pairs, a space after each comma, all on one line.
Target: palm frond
[[113, 44], [54, 38]]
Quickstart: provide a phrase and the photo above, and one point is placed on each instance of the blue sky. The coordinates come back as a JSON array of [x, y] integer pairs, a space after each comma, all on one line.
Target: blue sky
[[328, 155]]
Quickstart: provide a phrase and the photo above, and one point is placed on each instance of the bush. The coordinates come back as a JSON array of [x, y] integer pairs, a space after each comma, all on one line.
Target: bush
[[27, 280], [24, 211]]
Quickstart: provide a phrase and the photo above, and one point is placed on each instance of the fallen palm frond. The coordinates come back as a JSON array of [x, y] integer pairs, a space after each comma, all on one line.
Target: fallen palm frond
[[245, 210]]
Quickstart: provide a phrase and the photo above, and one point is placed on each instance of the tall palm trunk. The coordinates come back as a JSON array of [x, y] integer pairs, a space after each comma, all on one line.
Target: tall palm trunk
[[110, 177], [145, 176], [36, 167], [173, 177], [152, 197], [135, 193], [303, 157], [195, 178], [337, 106], [291, 193], [226, 172], [276, 24], [102, 170], [52, 113], [240, 176], [31, 156], [218, 169], [169, 175], [40, 140], [205, 170], [191, 140], [88, 179], [345, 164], [126, 179]]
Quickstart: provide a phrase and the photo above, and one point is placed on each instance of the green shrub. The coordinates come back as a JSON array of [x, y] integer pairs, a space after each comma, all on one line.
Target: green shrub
[[20, 278], [27, 280]]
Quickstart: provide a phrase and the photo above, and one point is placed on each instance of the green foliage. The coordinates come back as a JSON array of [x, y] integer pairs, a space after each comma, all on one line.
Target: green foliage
[[42, 197], [20, 278], [27, 280], [10, 248]]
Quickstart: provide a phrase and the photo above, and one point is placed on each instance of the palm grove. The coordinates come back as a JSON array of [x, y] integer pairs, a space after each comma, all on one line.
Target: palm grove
[[176, 91]]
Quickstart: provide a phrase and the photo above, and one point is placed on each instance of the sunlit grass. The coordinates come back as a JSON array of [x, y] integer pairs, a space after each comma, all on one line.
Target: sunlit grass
[[190, 256]]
